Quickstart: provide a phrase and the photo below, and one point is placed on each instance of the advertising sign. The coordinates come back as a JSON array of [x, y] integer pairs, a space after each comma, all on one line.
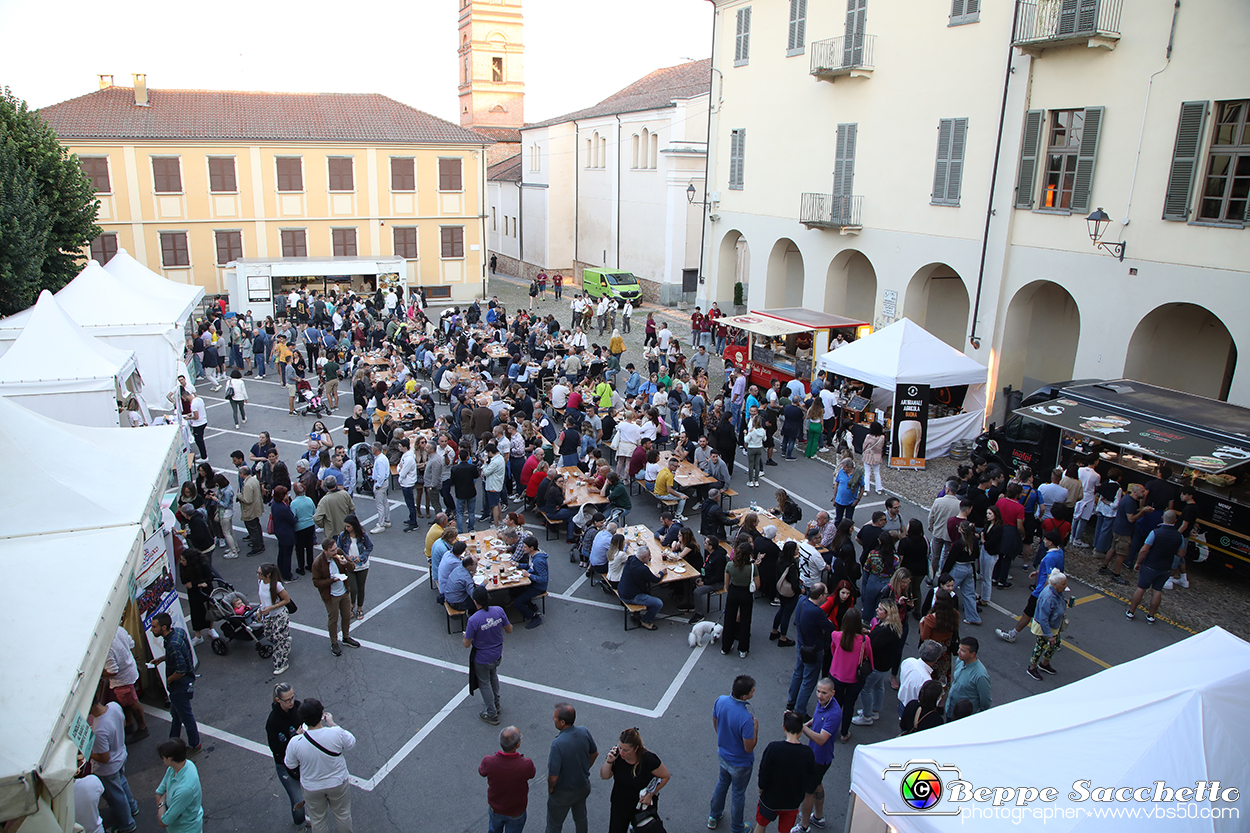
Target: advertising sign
[[911, 427], [155, 591]]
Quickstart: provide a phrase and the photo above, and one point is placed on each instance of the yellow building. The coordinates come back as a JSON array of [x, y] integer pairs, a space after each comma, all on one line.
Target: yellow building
[[191, 181]]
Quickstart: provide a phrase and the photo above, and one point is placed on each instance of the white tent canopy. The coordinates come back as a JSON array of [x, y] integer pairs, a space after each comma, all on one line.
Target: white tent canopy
[[1177, 716], [56, 652], [906, 353], [58, 369], [71, 477], [125, 315], [133, 273]]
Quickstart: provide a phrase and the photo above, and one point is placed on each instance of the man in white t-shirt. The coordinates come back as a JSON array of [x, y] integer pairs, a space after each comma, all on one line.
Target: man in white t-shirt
[[317, 754], [108, 761], [198, 420], [916, 671], [560, 395], [87, 792], [829, 400], [122, 673], [664, 337]]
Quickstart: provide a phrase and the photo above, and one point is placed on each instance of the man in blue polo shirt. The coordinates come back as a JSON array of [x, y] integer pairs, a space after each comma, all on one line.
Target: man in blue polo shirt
[[568, 771], [736, 733]]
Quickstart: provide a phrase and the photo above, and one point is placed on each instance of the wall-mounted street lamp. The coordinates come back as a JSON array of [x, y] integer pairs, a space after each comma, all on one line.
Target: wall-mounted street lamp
[[1098, 222]]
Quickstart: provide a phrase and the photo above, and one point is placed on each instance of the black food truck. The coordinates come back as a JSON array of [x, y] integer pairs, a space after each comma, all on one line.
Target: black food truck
[[1135, 427]]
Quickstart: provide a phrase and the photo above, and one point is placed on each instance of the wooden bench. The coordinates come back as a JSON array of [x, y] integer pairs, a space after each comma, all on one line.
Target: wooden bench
[[549, 525], [630, 609], [728, 495], [452, 613], [433, 578]]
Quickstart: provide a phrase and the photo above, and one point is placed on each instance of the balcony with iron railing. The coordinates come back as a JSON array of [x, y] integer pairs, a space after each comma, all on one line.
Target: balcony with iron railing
[[843, 56], [1044, 24], [832, 211]]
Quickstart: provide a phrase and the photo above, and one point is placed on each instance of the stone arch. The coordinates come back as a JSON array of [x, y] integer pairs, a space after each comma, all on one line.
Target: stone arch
[[851, 286], [783, 284], [938, 301], [1040, 334], [1185, 347], [733, 265]]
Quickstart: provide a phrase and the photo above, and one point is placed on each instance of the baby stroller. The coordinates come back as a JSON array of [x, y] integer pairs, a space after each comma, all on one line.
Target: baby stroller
[[362, 453], [238, 620], [310, 402]]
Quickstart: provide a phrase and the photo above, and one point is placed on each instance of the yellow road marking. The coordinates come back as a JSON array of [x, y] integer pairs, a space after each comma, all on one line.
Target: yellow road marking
[[1087, 655], [1090, 598]]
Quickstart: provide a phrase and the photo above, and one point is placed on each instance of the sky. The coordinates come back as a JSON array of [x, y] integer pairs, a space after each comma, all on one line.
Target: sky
[[577, 52]]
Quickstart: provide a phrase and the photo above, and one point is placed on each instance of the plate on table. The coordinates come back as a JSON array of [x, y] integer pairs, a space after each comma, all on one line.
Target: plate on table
[[678, 570]]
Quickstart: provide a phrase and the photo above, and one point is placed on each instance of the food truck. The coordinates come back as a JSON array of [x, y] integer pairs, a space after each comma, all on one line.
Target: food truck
[[1135, 427], [783, 343]]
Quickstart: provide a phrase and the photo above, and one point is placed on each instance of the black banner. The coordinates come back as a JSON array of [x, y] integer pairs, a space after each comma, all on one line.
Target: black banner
[[911, 427]]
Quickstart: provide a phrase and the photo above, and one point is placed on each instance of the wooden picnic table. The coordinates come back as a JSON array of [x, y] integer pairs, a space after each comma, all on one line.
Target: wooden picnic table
[[375, 360], [688, 475], [577, 492], [495, 568], [679, 569], [785, 532]]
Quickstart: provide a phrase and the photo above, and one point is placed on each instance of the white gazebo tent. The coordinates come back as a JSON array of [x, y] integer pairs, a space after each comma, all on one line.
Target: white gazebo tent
[[906, 353], [57, 369], [124, 316], [130, 271], [1178, 716], [78, 536]]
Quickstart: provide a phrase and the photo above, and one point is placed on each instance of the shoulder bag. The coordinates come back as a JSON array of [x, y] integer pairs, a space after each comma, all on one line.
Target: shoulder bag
[[784, 586], [865, 664]]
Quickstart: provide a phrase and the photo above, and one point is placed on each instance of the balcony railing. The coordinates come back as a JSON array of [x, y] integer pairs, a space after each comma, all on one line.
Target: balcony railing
[[1045, 23], [843, 56], [831, 211]]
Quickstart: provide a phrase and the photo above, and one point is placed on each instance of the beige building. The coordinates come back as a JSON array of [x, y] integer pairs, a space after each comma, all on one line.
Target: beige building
[[191, 181], [939, 160], [492, 73]]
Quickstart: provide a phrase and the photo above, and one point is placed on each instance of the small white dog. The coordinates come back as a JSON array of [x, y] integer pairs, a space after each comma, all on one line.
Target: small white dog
[[704, 632]]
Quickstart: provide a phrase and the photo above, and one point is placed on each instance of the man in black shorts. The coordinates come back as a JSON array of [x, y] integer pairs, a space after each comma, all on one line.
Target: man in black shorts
[[1154, 563]]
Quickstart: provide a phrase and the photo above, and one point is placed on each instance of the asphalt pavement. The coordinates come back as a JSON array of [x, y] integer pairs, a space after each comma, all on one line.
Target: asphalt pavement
[[403, 693]]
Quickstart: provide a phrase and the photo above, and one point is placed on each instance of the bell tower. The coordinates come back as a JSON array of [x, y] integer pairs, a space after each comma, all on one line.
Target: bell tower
[[492, 65]]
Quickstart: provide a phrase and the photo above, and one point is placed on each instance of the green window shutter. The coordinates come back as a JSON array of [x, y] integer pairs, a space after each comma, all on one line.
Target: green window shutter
[[1029, 148], [1067, 17], [942, 167], [853, 42], [954, 176], [1085, 158], [1087, 16], [844, 160], [1185, 152], [965, 11], [737, 154]]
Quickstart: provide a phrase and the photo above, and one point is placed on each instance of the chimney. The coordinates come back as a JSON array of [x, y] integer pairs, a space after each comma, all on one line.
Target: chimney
[[141, 89], [106, 81]]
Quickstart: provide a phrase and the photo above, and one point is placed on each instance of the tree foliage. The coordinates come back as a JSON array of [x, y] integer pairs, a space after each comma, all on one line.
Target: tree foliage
[[47, 208]]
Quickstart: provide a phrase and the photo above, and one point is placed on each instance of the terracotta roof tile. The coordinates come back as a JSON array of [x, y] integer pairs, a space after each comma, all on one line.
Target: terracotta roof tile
[[650, 92], [250, 116], [508, 170]]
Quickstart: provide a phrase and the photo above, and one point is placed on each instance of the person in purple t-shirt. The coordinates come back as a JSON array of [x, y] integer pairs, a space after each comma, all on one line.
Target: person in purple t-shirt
[[820, 731], [484, 634]]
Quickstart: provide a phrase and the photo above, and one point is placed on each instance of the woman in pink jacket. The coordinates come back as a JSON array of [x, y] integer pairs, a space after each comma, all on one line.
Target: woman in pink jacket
[[848, 648]]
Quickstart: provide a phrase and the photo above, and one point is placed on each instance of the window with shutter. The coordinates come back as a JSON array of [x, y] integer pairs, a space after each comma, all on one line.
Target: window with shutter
[[737, 158], [166, 175], [449, 178], [290, 173], [798, 27], [103, 248], [97, 170], [221, 175], [406, 243], [853, 42], [1087, 153], [1029, 149], [341, 178], [1184, 160], [1226, 186], [965, 11], [844, 160], [948, 170], [229, 246], [174, 249], [742, 41], [294, 242], [403, 175], [452, 240], [344, 241]]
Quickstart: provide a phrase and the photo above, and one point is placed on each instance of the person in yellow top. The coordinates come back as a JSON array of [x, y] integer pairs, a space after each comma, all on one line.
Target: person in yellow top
[[436, 531], [603, 391], [664, 487], [617, 345], [282, 355]]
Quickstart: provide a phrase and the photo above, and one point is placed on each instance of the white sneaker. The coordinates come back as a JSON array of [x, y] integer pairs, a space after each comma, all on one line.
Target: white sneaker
[[1184, 581], [196, 640], [281, 670], [860, 720], [387, 524], [377, 529], [1006, 636], [1167, 585]]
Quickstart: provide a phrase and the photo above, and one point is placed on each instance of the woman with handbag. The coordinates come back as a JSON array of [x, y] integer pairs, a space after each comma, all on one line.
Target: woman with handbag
[[886, 638], [356, 545], [741, 582], [236, 395], [789, 588], [850, 664], [275, 612], [941, 624], [637, 778], [874, 451]]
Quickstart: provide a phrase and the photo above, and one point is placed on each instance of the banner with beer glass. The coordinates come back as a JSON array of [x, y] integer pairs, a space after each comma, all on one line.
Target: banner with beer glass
[[911, 424]]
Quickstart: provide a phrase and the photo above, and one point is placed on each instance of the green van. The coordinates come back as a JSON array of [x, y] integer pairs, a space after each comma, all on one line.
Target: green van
[[614, 283]]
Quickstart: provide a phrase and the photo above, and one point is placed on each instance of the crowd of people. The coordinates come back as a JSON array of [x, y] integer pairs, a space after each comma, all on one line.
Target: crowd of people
[[479, 404]]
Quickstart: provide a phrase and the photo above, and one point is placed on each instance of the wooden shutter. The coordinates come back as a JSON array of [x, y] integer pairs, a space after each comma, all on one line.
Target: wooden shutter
[[406, 243], [942, 166], [166, 175], [294, 243], [341, 178], [798, 25], [742, 41], [844, 161], [221, 174], [954, 179], [737, 158], [290, 173], [1184, 160], [103, 248], [965, 11], [174, 249], [1067, 17], [449, 175], [403, 175], [229, 246], [452, 241], [1085, 158], [96, 169], [853, 43], [1029, 149], [1087, 16]]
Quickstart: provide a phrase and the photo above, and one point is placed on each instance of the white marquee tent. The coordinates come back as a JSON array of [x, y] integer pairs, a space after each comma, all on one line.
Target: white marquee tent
[[133, 273], [1178, 715], [126, 316], [906, 353], [58, 369]]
